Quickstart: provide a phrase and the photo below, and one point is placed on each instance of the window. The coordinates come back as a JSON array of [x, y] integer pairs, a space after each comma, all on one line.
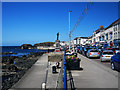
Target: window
[[111, 35], [108, 53], [99, 38], [114, 29], [117, 56], [102, 38], [106, 36], [94, 51]]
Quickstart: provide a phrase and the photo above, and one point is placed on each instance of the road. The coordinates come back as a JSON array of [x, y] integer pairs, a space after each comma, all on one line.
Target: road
[[95, 74]]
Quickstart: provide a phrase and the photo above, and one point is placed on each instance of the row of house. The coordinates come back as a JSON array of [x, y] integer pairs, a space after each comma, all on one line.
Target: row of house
[[110, 34]]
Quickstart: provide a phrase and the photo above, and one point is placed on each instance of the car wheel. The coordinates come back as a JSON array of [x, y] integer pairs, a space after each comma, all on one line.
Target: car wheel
[[112, 66]]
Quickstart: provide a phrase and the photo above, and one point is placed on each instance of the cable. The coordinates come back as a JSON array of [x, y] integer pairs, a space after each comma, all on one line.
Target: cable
[[82, 15]]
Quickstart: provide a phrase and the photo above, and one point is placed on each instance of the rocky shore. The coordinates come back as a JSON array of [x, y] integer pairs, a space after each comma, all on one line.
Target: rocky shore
[[14, 67]]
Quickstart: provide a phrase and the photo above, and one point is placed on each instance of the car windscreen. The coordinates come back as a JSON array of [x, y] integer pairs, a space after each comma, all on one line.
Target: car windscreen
[[93, 51], [108, 53], [116, 48]]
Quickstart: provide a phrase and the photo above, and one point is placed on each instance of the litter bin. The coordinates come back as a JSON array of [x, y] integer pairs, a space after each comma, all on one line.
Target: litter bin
[[53, 69]]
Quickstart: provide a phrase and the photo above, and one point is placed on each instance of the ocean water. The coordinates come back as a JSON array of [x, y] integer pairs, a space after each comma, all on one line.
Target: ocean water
[[19, 52]]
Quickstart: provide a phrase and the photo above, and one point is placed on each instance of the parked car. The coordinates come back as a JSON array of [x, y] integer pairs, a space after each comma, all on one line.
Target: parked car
[[105, 46], [78, 49], [109, 48], [93, 53], [106, 55], [81, 49], [99, 48], [115, 62], [116, 50], [86, 49]]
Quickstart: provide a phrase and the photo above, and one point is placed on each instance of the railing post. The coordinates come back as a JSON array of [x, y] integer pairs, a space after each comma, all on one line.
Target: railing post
[[65, 76]]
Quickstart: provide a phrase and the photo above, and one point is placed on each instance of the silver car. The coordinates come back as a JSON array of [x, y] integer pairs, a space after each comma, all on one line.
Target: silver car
[[106, 55], [93, 53]]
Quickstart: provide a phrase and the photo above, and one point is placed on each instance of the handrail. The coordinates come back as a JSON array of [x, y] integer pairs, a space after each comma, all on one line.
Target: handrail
[[65, 76]]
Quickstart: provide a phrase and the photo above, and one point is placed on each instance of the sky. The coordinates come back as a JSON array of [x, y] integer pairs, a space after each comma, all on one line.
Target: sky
[[36, 22]]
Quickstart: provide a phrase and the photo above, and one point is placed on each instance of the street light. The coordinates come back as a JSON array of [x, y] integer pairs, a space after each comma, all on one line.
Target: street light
[[69, 30]]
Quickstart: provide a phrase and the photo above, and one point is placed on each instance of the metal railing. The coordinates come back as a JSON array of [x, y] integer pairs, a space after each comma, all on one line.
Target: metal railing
[[65, 76]]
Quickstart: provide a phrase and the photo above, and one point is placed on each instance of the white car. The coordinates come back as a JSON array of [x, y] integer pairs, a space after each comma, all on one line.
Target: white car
[[106, 55]]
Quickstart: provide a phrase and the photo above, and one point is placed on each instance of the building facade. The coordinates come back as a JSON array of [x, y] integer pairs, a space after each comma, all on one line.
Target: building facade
[[110, 34], [80, 40]]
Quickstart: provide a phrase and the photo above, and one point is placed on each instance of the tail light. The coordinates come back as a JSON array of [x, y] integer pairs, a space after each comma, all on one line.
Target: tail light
[[98, 53], [114, 51], [78, 49], [102, 55], [90, 53]]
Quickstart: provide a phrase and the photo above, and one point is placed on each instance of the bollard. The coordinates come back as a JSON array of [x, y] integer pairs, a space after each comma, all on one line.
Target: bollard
[[43, 86]]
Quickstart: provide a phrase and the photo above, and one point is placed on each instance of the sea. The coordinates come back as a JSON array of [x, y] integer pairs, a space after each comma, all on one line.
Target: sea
[[19, 52]]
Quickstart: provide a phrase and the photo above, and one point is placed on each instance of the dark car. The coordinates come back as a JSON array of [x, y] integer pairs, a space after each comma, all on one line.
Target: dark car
[[86, 49], [105, 46], [115, 62], [81, 49], [109, 48], [78, 49], [116, 50]]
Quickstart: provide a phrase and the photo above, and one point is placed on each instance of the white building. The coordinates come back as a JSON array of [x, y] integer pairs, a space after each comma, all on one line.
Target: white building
[[80, 40], [62, 43], [108, 35]]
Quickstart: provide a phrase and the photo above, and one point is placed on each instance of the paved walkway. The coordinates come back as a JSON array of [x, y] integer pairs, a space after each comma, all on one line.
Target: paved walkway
[[35, 76], [94, 75], [52, 78]]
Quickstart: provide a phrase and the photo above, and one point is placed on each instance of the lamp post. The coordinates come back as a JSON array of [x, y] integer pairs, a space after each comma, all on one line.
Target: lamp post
[[69, 30]]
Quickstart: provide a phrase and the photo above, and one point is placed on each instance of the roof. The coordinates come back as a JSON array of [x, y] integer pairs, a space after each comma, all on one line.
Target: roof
[[81, 37], [114, 23], [89, 37], [84, 37], [76, 38]]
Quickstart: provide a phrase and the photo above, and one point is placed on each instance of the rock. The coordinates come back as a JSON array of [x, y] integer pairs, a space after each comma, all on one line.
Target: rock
[[26, 46]]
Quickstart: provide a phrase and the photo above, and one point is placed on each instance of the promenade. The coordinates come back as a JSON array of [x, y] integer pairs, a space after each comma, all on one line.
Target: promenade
[[94, 75], [35, 76], [39, 73]]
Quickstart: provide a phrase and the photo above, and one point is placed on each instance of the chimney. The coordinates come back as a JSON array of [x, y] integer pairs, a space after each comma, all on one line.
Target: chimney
[[101, 27], [105, 27]]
